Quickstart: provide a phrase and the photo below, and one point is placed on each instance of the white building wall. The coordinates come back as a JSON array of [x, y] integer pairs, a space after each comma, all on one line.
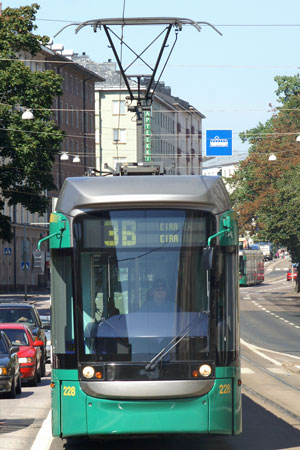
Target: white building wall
[[176, 134], [109, 151]]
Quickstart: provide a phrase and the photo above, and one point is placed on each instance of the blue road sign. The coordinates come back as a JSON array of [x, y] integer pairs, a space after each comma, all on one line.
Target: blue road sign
[[25, 265], [7, 251], [218, 142]]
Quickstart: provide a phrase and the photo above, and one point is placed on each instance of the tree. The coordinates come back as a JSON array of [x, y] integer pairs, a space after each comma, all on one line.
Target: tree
[[27, 147], [266, 194]]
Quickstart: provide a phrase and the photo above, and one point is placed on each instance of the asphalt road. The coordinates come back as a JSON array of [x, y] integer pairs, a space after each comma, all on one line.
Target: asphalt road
[[271, 384]]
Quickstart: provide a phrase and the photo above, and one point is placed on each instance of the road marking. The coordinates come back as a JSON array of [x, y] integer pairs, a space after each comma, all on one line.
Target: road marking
[[273, 314], [44, 437], [276, 370], [260, 353], [251, 346], [245, 370]]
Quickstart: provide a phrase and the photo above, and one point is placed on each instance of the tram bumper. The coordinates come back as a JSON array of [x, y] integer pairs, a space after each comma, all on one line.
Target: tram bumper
[[208, 413]]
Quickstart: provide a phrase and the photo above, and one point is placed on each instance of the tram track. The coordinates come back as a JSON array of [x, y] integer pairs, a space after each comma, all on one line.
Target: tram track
[[263, 397], [273, 375], [271, 403]]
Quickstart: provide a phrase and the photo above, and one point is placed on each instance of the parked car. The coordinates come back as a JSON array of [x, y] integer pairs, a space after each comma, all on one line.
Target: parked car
[[292, 274], [10, 377], [46, 321], [29, 351], [26, 314]]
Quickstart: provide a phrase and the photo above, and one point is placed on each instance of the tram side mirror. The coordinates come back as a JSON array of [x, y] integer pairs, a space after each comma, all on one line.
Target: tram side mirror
[[207, 258]]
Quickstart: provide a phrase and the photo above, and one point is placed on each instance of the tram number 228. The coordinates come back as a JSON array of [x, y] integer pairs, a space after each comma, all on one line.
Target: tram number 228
[[69, 391], [224, 389]]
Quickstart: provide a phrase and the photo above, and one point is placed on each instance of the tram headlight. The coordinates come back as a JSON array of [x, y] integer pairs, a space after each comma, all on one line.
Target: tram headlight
[[88, 372], [205, 370]]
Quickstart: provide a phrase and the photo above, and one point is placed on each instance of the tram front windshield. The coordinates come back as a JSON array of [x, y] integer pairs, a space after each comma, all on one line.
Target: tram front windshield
[[143, 283]]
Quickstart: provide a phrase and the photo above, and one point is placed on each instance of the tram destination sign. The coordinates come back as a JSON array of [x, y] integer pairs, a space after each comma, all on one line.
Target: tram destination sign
[[218, 142], [131, 233]]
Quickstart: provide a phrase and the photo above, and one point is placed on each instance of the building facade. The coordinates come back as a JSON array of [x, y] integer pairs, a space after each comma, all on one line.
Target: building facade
[[74, 113]]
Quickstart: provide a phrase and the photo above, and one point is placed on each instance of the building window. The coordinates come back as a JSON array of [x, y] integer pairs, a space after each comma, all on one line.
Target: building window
[[66, 114], [77, 118], [118, 107], [119, 135]]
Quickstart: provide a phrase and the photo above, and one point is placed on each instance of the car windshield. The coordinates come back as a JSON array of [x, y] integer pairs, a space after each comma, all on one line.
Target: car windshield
[[16, 315], [46, 321], [2, 347], [17, 336]]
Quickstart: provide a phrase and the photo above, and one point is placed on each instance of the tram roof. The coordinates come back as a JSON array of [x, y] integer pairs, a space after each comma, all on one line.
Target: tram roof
[[85, 193]]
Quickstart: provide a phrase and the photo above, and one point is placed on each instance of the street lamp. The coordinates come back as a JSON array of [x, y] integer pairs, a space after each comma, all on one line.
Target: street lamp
[[76, 159], [64, 156], [27, 115], [272, 157]]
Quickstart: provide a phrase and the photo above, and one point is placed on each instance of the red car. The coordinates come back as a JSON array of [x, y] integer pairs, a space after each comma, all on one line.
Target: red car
[[290, 275], [29, 353]]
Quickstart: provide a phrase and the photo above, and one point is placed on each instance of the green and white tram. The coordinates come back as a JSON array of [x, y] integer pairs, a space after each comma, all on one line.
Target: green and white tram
[[123, 361]]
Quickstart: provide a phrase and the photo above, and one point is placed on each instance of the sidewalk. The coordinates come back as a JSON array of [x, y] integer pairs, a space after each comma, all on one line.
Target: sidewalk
[[16, 297]]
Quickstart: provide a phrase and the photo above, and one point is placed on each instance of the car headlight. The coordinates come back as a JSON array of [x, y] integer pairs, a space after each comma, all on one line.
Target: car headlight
[[88, 372], [205, 370], [3, 371], [26, 360]]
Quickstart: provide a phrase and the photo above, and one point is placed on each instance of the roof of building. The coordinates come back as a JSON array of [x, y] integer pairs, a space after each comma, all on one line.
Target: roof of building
[[107, 70], [58, 55]]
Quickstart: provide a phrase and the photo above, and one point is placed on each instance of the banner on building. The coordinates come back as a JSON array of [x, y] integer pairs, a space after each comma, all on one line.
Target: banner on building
[[147, 133]]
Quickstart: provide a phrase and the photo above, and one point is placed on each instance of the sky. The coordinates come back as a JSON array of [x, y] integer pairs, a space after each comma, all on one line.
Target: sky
[[228, 78]]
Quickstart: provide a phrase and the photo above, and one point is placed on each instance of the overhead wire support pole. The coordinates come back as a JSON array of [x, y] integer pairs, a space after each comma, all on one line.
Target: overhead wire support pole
[[158, 61], [119, 62], [137, 56], [169, 22]]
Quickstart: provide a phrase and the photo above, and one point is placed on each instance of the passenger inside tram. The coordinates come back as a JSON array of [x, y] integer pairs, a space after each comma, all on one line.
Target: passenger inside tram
[[157, 298]]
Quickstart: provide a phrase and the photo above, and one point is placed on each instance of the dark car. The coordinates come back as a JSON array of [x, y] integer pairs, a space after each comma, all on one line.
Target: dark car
[[46, 321], [28, 315], [29, 351], [10, 377]]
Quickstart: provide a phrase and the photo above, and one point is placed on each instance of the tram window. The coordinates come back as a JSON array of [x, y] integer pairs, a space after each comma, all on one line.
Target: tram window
[[122, 254], [61, 287], [226, 290]]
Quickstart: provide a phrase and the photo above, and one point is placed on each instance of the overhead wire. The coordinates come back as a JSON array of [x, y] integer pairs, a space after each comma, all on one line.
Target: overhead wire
[[121, 57]]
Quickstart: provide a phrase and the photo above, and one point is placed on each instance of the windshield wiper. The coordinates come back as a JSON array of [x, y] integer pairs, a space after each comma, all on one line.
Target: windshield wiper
[[173, 343]]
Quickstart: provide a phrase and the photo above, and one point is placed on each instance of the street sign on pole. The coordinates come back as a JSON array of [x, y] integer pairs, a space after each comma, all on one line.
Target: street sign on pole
[[218, 142]]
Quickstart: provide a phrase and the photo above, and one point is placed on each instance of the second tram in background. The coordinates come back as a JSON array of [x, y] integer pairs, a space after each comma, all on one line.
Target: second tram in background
[[251, 266]]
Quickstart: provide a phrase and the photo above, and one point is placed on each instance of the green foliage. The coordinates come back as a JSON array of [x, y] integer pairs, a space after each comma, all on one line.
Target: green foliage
[[266, 194], [287, 87], [28, 147]]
